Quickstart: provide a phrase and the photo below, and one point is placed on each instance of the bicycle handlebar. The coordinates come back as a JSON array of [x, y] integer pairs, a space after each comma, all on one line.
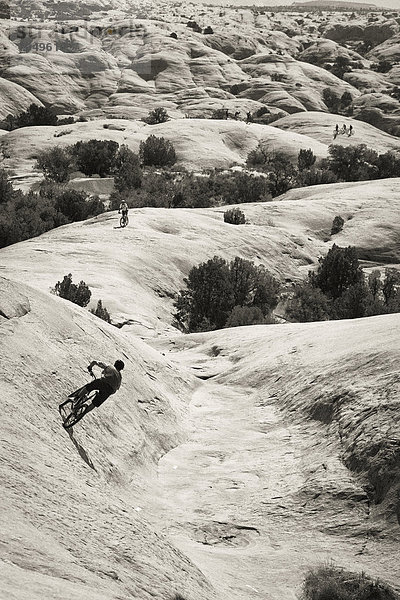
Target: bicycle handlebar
[[91, 372]]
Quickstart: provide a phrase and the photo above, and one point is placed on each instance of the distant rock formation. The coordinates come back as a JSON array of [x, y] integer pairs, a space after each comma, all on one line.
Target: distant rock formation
[[335, 4]]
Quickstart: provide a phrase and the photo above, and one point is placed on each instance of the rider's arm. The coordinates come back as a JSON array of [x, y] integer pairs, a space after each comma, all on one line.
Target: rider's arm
[[98, 363]]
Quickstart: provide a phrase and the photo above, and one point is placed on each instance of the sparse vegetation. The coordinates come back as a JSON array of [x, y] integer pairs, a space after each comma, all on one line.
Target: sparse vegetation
[[156, 116], [57, 164], [338, 289], [234, 216], [95, 157], [305, 159], [281, 173], [23, 216], [78, 294], [337, 225], [216, 289], [334, 583], [341, 66], [34, 116], [157, 152], [128, 174], [383, 66], [331, 100], [101, 312]]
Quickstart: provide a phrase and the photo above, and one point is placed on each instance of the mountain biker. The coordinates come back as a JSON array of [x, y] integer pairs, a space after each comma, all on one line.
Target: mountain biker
[[107, 384], [123, 207]]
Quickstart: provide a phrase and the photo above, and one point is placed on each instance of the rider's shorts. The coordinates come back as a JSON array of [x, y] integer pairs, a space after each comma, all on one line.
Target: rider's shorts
[[103, 388]]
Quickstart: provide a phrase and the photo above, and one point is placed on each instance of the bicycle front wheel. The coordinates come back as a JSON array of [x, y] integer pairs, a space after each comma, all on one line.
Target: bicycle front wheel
[[79, 409]]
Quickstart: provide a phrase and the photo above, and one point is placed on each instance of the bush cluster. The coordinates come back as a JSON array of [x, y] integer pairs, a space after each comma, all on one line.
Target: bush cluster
[[34, 115], [80, 294], [220, 294], [334, 583], [101, 312], [340, 290], [157, 152], [23, 216], [234, 216], [351, 163], [337, 104], [337, 225], [173, 189], [106, 158], [157, 115]]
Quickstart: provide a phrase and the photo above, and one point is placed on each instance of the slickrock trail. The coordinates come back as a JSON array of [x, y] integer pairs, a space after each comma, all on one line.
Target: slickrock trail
[[254, 499]]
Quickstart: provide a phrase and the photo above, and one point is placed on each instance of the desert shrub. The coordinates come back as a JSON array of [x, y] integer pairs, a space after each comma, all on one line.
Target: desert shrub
[[352, 163], [383, 66], [27, 216], [239, 187], [337, 271], [208, 30], [35, 115], [6, 189], [341, 66], [374, 283], [388, 165], [78, 294], [340, 290], [214, 289], [308, 304], [315, 177], [157, 115], [77, 206], [354, 302], [281, 173], [395, 93], [66, 121], [333, 583], [245, 315], [95, 156], [332, 101], [208, 296], [277, 76], [234, 216], [345, 100], [157, 152], [219, 114], [101, 312], [305, 159], [263, 110], [337, 225], [128, 174], [57, 164], [193, 25], [173, 35], [391, 289]]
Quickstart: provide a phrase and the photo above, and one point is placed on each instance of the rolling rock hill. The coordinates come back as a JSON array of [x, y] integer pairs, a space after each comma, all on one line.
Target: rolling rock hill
[[138, 270], [283, 455], [122, 64], [74, 517], [230, 461]]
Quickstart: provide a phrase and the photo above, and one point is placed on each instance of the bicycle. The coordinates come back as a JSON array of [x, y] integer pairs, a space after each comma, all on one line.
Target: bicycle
[[79, 401], [124, 221]]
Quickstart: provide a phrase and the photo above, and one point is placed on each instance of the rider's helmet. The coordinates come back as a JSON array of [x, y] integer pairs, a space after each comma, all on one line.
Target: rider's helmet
[[119, 365]]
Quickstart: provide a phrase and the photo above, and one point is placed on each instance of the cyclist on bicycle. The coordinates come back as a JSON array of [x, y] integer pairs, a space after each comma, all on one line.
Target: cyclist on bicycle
[[107, 384], [123, 208]]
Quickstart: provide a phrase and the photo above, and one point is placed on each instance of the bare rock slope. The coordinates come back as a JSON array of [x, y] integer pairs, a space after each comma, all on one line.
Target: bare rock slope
[[74, 517], [129, 271]]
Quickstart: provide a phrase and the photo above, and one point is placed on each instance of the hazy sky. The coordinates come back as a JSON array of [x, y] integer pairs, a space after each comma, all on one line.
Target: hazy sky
[[381, 3]]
